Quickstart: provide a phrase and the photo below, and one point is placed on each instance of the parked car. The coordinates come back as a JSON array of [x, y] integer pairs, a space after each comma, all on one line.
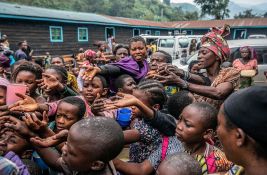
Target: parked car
[[257, 36], [260, 46]]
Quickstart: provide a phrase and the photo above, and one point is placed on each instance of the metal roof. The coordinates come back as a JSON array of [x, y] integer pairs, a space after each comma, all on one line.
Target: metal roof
[[28, 12]]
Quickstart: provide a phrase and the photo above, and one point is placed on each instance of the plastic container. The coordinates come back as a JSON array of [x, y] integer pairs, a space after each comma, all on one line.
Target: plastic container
[[124, 117]]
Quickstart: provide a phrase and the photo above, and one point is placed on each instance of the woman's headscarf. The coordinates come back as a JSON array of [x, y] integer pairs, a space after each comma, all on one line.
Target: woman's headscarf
[[214, 41]]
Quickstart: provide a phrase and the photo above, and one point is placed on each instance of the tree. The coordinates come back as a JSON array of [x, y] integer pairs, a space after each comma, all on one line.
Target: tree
[[217, 8], [246, 14]]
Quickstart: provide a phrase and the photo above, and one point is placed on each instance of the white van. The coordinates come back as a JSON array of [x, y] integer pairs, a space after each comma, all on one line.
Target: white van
[[174, 45]]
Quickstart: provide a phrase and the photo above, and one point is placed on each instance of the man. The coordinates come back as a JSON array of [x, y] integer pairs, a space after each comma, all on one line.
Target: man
[[20, 54]]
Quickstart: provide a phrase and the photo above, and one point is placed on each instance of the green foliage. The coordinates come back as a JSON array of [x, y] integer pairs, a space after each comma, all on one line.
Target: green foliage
[[247, 14], [139, 9], [217, 8]]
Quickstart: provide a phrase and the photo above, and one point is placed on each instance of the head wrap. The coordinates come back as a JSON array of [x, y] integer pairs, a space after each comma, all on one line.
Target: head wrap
[[247, 109], [90, 54], [214, 41], [4, 61], [253, 54]]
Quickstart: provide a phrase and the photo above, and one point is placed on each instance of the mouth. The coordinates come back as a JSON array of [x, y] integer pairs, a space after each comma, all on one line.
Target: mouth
[[60, 128], [178, 135]]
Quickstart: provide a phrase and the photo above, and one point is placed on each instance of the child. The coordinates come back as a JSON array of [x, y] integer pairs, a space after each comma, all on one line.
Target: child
[[125, 84], [193, 67], [27, 73], [179, 164], [84, 152], [195, 127], [177, 102]]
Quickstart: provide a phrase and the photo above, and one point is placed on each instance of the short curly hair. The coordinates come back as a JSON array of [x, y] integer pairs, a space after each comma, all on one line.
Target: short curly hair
[[29, 67]]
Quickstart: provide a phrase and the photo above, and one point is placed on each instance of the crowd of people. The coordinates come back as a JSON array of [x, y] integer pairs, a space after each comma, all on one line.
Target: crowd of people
[[77, 115]]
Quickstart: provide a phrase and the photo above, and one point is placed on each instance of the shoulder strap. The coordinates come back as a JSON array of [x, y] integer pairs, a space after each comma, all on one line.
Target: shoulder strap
[[164, 148]]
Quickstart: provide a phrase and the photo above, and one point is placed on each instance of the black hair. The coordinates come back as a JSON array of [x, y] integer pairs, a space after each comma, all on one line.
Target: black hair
[[20, 43], [156, 89], [167, 56], [103, 81], [136, 39], [29, 67], [119, 46], [61, 71], [78, 102], [17, 63], [208, 112], [119, 82], [182, 163], [102, 136], [192, 63], [177, 102], [258, 148], [62, 59]]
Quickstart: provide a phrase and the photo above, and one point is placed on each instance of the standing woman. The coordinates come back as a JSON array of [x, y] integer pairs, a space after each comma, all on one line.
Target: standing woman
[[247, 64], [120, 52]]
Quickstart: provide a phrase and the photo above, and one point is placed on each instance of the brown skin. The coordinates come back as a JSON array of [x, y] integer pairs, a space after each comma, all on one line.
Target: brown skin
[[57, 61], [128, 86], [121, 53], [138, 51], [11, 141], [194, 69], [66, 116], [2, 96], [238, 147], [157, 59], [27, 78], [164, 169], [190, 130], [245, 55], [93, 89]]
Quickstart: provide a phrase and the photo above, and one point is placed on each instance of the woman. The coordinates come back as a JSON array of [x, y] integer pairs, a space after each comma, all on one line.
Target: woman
[[247, 61], [120, 52], [135, 65], [242, 130], [219, 83]]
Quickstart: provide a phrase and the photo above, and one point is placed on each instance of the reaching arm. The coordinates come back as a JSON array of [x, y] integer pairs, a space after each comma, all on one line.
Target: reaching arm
[[131, 136], [144, 168]]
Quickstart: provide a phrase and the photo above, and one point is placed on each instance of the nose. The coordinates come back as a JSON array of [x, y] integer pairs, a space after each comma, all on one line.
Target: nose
[[60, 120], [179, 126]]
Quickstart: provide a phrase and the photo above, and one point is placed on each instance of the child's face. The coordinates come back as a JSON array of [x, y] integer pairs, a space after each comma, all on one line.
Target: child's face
[[66, 116], [138, 51], [57, 61], [74, 153], [189, 127], [55, 74], [92, 88], [128, 85], [27, 78], [11, 141], [2, 96], [194, 69]]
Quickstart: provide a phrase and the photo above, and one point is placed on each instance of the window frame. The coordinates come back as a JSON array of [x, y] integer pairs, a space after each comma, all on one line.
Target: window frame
[[61, 34], [78, 32], [149, 32], [235, 31], [139, 31], [114, 32], [157, 33]]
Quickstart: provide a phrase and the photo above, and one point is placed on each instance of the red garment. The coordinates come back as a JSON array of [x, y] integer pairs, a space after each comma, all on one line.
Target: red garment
[[251, 65]]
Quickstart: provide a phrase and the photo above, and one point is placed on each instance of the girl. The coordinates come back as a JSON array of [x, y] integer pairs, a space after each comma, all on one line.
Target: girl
[[27, 73]]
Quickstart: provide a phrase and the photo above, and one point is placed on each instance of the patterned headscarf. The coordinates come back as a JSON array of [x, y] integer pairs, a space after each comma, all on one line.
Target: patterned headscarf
[[214, 41]]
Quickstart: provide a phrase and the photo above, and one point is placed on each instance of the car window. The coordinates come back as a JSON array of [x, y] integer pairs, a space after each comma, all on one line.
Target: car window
[[183, 42], [166, 43]]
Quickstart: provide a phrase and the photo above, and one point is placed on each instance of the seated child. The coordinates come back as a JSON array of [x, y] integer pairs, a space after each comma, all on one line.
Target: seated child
[[179, 164], [195, 127]]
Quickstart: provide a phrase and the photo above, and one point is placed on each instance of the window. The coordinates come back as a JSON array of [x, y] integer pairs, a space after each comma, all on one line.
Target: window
[[166, 43], [157, 33], [136, 32], [148, 32], [240, 33], [109, 33], [56, 34], [187, 32], [82, 34]]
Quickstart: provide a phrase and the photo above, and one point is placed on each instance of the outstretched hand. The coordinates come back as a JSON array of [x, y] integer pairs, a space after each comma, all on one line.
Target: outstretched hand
[[49, 83], [50, 141], [126, 100], [34, 123], [27, 104], [90, 72], [17, 125]]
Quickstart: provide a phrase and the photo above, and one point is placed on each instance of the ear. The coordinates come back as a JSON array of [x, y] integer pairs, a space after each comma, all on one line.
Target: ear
[[156, 107], [240, 137], [208, 135], [97, 165], [104, 92]]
